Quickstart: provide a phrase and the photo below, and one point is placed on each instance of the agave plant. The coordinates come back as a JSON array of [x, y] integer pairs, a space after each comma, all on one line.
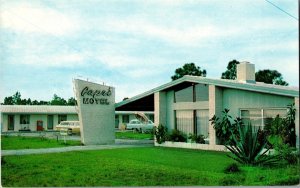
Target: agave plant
[[246, 148]]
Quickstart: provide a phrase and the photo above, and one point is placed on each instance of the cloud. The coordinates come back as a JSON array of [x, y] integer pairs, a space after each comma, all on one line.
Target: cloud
[[174, 34], [57, 60], [30, 18]]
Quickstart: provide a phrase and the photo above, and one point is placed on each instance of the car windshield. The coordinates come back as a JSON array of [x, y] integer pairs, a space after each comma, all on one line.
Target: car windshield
[[134, 122]]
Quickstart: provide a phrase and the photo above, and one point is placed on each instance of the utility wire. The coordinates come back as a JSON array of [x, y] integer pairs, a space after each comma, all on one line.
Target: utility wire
[[282, 10]]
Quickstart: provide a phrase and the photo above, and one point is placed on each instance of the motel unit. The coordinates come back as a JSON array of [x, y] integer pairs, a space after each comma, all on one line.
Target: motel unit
[[46, 117], [188, 103]]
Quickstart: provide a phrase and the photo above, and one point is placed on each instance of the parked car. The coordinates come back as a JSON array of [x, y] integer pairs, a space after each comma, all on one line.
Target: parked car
[[70, 126], [137, 125]]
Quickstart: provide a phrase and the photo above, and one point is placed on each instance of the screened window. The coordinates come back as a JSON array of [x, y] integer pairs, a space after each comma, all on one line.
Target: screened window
[[125, 118], [270, 114], [252, 116], [185, 121], [184, 95], [202, 122], [62, 118], [24, 119], [261, 117], [201, 92]]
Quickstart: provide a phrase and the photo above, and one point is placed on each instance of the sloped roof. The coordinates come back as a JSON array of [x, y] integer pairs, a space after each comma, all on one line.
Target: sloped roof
[[38, 109], [257, 87]]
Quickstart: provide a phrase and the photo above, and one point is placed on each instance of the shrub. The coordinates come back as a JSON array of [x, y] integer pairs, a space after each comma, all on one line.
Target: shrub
[[232, 168], [177, 136], [197, 138], [229, 180], [247, 150], [161, 133], [281, 136], [225, 128]]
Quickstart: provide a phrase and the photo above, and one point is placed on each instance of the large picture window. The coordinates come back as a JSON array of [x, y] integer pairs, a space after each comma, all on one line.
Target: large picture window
[[201, 91], [185, 121], [184, 95], [261, 117], [202, 122], [24, 119]]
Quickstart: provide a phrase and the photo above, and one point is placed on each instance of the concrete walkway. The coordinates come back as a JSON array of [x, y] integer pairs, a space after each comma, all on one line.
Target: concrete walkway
[[119, 144]]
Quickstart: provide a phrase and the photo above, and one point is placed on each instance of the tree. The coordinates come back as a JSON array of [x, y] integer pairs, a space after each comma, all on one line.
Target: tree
[[71, 101], [270, 77], [266, 76], [8, 101], [188, 69], [230, 73], [58, 100], [35, 102], [28, 101], [17, 98], [44, 103]]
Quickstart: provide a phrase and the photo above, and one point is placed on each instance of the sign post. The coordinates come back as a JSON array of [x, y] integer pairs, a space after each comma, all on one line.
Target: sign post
[[96, 111]]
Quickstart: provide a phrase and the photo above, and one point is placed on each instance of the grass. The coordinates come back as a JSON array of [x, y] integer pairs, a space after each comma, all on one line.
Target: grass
[[149, 166], [21, 142], [134, 135]]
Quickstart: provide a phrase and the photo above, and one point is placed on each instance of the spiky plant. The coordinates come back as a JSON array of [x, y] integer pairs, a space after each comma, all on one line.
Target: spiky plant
[[246, 148]]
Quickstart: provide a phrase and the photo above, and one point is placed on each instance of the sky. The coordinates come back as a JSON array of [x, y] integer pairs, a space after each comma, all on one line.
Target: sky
[[136, 45]]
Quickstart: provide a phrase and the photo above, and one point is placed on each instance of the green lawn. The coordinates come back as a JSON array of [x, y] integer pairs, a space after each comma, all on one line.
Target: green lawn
[[149, 166], [134, 135], [22, 142]]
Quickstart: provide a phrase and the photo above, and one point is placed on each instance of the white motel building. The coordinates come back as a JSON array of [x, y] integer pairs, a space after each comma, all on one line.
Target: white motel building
[[185, 104], [46, 117]]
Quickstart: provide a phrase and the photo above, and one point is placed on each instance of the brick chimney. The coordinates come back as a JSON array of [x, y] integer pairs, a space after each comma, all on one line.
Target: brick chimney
[[246, 72]]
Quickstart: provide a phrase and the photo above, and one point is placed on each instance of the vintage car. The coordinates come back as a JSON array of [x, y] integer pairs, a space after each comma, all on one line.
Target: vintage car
[[137, 125], [71, 127]]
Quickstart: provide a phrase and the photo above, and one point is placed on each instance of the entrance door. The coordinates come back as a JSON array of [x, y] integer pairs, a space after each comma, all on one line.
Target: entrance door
[[11, 122], [50, 122]]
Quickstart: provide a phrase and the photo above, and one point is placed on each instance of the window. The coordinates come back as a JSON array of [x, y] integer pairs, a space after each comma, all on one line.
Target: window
[[270, 114], [185, 121], [202, 122], [201, 92], [24, 119], [261, 117], [62, 118], [252, 116], [125, 118], [184, 95]]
